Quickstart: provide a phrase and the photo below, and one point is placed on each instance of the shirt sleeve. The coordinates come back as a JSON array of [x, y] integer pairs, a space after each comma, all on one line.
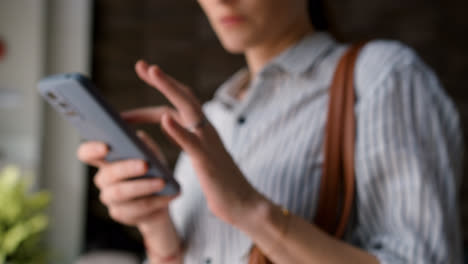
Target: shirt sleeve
[[408, 160]]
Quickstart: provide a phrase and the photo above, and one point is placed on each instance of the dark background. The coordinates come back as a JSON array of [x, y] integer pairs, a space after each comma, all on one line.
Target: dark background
[[176, 35]]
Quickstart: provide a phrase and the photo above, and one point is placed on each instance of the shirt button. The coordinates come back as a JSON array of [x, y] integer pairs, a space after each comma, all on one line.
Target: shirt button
[[241, 120]]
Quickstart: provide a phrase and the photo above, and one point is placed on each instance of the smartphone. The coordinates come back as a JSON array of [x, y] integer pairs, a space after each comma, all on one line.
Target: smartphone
[[76, 98]]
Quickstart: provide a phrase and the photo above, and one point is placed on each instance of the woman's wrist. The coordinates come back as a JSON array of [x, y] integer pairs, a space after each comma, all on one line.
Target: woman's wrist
[[171, 257], [153, 224], [162, 242], [265, 221]]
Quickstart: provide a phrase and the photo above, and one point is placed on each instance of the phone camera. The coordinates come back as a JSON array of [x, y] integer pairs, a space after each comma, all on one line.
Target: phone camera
[[51, 95]]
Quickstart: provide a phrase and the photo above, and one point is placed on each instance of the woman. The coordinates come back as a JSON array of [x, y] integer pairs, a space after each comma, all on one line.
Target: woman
[[260, 152]]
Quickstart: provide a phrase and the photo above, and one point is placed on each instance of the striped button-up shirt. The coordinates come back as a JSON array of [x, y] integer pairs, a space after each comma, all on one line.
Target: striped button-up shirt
[[407, 160]]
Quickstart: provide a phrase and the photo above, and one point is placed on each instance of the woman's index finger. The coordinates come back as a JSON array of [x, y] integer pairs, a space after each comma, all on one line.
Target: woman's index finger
[[147, 114], [186, 104]]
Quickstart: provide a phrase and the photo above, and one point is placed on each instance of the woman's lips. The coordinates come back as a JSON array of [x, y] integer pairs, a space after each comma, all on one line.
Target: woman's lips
[[232, 20]]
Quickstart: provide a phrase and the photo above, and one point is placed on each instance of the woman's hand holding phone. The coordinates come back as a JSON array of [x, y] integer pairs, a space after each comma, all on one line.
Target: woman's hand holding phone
[[130, 201], [229, 195]]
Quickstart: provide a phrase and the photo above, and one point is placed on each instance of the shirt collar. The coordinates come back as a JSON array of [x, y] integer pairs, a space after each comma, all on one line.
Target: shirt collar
[[300, 57], [295, 60], [226, 92]]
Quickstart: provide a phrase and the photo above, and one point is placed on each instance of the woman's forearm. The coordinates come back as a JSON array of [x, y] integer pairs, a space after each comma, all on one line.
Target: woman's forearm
[[291, 239], [163, 244]]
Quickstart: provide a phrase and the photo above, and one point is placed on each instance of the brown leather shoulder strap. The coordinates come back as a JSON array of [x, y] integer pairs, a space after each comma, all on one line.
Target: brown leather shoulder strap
[[337, 183]]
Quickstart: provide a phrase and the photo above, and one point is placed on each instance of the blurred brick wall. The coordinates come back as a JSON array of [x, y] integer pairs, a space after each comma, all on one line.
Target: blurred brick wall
[[177, 36]]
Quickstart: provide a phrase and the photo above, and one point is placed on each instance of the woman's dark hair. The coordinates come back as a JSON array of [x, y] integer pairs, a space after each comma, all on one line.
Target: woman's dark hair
[[318, 14]]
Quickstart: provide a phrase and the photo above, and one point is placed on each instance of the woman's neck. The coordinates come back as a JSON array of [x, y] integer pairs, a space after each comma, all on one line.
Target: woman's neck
[[258, 56]]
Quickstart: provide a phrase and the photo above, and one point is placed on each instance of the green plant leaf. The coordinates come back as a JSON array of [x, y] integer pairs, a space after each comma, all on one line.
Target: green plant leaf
[[22, 220]]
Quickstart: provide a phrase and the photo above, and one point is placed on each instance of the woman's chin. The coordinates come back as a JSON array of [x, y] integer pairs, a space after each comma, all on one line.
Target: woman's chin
[[234, 49], [234, 46]]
